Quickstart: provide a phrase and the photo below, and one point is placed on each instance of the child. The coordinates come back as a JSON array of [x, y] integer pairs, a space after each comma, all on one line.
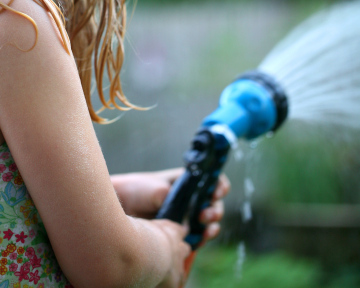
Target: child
[[67, 225]]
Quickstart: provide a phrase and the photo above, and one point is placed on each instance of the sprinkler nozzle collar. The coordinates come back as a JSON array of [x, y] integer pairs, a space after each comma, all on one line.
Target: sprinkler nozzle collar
[[275, 89]]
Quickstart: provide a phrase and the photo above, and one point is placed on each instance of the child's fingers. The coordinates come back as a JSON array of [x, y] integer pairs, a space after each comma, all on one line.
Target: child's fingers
[[213, 214], [180, 230], [211, 232], [222, 188], [170, 175]]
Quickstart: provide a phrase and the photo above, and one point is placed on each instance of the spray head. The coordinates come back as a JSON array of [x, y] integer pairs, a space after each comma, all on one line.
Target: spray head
[[252, 105]]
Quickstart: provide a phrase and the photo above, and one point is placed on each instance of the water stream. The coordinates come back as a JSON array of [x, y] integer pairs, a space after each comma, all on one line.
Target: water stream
[[318, 65]]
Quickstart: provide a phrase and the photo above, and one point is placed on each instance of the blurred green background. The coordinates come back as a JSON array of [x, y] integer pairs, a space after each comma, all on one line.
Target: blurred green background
[[302, 185]]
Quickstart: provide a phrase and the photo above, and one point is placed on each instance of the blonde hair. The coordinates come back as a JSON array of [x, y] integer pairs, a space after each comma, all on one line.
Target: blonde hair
[[95, 31]]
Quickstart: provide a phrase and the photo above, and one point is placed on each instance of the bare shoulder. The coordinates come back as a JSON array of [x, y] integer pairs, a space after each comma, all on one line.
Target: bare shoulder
[[19, 24], [27, 26], [34, 66], [30, 45]]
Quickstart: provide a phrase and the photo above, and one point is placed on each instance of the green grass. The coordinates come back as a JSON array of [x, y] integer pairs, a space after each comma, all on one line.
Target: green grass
[[217, 267]]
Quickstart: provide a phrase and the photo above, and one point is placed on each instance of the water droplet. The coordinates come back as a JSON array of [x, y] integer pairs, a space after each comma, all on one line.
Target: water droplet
[[238, 155], [246, 211], [248, 187], [241, 256], [253, 144]]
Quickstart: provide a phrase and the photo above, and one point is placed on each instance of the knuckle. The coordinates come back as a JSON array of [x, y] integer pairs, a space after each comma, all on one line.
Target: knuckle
[[160, 194], [186, 249]]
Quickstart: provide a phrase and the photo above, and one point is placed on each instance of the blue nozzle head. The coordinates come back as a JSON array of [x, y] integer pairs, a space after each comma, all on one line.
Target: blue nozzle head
[[252, 105], [278, 94]]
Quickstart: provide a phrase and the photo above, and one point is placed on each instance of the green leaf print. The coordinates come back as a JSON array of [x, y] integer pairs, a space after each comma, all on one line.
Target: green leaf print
[[1, 208], [41, 236]]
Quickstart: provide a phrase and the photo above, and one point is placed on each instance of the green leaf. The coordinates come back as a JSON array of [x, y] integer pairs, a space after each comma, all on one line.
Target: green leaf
[[41, 236]]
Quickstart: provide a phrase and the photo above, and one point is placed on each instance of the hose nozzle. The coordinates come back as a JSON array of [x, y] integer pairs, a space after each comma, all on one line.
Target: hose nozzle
[[277, 93], [252, 105]]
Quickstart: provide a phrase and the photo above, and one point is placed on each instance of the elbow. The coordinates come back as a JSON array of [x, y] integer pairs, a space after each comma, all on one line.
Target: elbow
[[127, 271], [135, 269], [127, 265], [131, 271]]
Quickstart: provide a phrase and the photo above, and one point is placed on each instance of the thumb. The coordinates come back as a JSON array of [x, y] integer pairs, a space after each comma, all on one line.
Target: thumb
[[159, 195]]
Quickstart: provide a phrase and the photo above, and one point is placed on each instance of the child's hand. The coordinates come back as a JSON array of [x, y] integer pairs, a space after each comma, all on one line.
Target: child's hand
[[165, 242], [179, 250], [142, 194]]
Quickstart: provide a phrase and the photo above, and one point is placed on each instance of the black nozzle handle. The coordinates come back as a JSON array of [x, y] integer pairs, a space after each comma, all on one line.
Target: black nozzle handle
[[204, 195], [177, 201], [200, 201]]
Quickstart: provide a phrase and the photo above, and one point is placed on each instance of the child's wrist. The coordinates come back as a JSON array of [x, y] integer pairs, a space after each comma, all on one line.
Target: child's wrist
[[157, 250]]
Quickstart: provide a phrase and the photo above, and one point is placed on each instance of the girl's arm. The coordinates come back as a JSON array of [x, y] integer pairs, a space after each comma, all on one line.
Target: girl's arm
[[45, 121]]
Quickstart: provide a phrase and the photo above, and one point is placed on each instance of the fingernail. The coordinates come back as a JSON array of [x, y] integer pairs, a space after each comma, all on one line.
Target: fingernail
[[213, 230], [218, 194], [209, 214]]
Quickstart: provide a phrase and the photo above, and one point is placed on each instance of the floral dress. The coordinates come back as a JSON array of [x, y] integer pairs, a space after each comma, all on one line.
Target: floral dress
[[27, 259]]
